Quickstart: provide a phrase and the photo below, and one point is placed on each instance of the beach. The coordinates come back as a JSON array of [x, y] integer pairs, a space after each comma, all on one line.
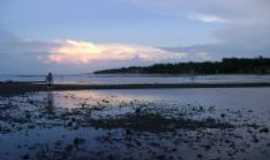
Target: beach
[[30, 83], [18, 87], [134, 80], [198, 123]]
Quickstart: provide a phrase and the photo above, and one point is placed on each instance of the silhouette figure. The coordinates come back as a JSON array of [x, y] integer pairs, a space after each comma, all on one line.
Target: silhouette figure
[[49, 79]]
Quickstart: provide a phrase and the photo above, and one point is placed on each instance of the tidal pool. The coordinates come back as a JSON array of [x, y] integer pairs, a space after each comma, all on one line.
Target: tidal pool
[[136, 124]]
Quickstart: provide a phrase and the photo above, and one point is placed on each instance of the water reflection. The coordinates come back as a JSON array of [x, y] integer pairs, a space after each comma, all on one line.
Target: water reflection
[[99, 124], [50, 108]]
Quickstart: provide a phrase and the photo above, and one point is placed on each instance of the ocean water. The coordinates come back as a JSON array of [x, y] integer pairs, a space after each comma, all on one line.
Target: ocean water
[[139, 78]]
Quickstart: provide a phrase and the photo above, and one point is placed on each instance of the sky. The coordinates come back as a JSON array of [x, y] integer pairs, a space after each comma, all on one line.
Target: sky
[[82, 36]]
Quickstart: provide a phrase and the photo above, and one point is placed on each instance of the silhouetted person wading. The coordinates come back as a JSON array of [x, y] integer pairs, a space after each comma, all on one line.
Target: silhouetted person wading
[[49, 79]]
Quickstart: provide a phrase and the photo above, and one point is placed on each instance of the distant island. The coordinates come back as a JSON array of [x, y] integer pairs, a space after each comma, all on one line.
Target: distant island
[[260, 65]]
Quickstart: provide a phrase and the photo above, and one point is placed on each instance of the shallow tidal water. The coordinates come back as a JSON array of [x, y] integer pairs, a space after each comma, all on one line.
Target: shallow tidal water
[[137, 124], [139, 78]]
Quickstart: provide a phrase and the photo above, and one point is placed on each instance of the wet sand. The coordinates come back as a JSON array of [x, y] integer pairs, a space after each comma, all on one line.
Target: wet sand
[[82, 125], [17, 87]]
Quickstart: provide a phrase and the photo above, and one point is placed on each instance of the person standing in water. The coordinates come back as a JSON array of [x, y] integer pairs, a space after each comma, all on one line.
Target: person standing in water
[[49, 79]]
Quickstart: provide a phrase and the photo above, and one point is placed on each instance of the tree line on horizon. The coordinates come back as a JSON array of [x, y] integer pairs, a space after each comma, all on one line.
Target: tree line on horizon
[[258, 65]]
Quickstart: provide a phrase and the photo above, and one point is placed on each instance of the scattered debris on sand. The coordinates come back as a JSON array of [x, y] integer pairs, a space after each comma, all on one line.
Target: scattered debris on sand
[[111, 128]]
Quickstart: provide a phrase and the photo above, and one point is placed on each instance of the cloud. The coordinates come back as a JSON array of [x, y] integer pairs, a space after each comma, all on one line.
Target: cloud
[[82, 52], [21, 56], [208, 18], [243, 30], [73, 56]]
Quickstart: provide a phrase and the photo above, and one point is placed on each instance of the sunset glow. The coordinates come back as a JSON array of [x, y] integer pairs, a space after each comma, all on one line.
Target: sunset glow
[[68, 36], [80, 52]]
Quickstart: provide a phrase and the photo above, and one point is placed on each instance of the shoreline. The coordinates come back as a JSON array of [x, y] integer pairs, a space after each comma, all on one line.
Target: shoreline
[[18, 87]]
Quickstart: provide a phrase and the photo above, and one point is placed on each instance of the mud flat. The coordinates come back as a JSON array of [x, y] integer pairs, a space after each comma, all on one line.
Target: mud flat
[[16, 87], [82, 125]]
